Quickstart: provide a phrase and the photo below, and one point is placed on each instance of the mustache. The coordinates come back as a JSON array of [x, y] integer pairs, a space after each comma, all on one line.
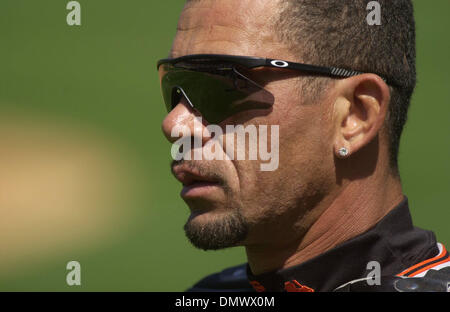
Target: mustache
[[198, 167]]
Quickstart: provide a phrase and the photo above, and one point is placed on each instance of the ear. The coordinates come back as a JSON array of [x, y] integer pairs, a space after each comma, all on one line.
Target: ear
[[359, 112]]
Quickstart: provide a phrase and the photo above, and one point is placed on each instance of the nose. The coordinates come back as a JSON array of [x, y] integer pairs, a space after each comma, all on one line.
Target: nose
[[182, 116]]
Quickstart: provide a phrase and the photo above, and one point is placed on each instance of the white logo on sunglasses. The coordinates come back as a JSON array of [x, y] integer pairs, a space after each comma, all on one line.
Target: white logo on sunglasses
[[235, 146], [279, 63]]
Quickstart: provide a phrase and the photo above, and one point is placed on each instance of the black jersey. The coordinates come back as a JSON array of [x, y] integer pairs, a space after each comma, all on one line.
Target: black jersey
[[407, 259]]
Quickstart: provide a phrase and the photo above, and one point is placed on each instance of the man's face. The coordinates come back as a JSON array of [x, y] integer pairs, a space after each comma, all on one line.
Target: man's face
[[240, 204]]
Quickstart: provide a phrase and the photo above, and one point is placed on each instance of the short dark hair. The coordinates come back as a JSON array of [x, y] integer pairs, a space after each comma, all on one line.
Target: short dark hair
[[336, 33]]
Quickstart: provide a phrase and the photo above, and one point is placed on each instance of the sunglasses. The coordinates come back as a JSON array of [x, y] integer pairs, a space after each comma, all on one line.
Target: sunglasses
[[219, 86]]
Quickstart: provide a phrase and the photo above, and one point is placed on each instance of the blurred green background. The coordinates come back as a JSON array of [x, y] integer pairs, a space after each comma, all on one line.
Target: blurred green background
[[84, 168]]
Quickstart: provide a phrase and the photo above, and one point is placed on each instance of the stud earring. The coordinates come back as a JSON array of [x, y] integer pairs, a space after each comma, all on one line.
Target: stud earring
[[343, 152]]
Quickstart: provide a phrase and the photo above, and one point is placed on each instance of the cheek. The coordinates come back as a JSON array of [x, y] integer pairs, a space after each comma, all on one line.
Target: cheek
[[306, 148], [304, 165], [303, 161], [258, 191], [247, 172], [306, 133]]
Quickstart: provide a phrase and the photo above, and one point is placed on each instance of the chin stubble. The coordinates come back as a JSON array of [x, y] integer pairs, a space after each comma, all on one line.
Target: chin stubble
[[225, 231]]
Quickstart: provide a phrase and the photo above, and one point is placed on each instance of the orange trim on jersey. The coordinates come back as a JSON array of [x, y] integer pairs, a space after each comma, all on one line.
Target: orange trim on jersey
[[429, 267], [294, 286], [257, 286], [440, 255]]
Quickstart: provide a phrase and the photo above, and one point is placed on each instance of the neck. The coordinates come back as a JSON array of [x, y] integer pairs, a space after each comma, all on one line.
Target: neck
[[352, 209]]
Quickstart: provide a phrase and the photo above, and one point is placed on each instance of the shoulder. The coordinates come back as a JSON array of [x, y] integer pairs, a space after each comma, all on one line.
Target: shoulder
[[230, 279], [433, 281], [430, 275], [437, 262]]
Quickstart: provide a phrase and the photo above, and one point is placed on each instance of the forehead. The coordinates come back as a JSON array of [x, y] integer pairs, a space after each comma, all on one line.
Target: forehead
[[239, 27]]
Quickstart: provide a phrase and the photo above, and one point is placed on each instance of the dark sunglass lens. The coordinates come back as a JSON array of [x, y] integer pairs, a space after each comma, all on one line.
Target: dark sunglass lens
[[217, 92], [176, 98]]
